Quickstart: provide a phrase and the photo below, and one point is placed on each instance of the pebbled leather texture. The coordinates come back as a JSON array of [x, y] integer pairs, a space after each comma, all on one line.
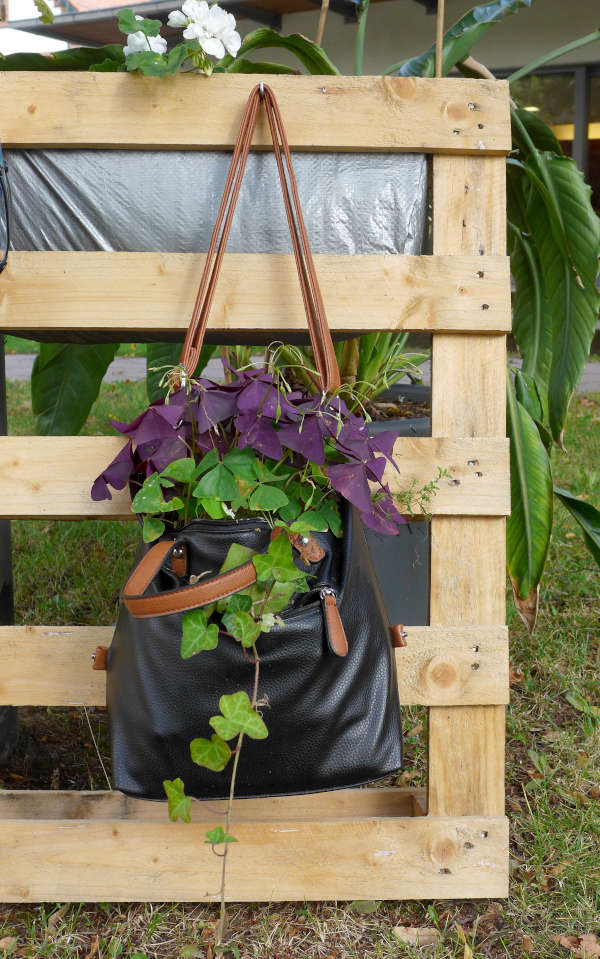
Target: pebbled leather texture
[[333, 721]]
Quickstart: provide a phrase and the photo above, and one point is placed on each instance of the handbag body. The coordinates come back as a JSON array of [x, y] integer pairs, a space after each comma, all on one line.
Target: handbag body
[[332, 714]]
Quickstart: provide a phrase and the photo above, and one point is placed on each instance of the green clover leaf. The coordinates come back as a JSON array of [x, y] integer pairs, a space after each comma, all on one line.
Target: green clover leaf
[[213, 753], [212, 506], [197, 634], [237, 555], [152, 528], [243, 464], [180, 470], [267, 497], [149, 499], [179, 803], [238, 717], [217, 482], [311, 520]]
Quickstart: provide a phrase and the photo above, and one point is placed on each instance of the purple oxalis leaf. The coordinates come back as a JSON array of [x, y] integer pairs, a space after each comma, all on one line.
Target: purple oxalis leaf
[[350, 479], [306, 438], [116, 473], [258, 433]]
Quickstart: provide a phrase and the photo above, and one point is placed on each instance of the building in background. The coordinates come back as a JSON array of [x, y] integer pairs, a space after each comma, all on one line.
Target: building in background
[[567, 94]]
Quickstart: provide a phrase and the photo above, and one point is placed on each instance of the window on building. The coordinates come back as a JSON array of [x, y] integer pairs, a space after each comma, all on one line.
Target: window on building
[[552, 96], [594, 142]]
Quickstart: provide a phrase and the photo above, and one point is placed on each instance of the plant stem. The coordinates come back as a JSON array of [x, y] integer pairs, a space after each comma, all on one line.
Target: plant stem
[[359, 49], [236, 759], [554, 54]]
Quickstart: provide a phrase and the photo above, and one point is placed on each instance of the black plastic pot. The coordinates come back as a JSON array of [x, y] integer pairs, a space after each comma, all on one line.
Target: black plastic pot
[[402, 562]]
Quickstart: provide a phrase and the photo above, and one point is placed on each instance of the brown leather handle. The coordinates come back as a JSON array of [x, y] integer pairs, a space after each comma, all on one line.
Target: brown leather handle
[[179, 600], [314, 308]]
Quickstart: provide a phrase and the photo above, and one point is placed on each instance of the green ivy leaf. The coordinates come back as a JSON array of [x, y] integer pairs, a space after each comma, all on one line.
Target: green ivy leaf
[[217, 482], [179, 803], [241, 625], [182, 471], [152, 528], [239, 602], [267, 497], [213, 753], [197, 634], [238, 717], [129, 24], [217, 835], [237, 555], [277, 563], [279, 597]]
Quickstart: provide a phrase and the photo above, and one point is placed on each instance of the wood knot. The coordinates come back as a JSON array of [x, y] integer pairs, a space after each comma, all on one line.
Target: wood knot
[[440, 673], [444, 851]]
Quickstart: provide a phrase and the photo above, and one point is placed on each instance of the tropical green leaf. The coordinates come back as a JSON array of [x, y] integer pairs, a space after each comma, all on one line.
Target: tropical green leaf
[[179, 803], [258, 66], [197, 635], [538, 130], [214, 753], [588, 518], [238, 717], [459, 39], [530, 524], [76, 58], [65, 381], [161, 357], [46, 15], [217, 835], [308, 53], [528, 395]]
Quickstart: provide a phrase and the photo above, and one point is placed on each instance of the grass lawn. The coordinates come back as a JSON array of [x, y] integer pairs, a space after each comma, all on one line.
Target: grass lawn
[[553, 760], [16, 344]]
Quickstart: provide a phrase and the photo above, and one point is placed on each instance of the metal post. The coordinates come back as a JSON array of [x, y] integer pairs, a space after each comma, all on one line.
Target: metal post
[[8, 714], [581, 118]]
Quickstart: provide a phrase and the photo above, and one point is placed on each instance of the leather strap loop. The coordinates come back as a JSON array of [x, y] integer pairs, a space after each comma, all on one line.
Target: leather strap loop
[[179, 600], [314, 308]]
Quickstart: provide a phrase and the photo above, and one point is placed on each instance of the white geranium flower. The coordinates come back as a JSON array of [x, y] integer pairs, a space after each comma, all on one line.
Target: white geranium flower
[[139, 43], [212, 27]]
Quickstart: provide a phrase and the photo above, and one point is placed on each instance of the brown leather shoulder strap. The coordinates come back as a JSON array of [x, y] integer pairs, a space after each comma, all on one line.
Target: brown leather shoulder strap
[[179, 600], [320, 335]]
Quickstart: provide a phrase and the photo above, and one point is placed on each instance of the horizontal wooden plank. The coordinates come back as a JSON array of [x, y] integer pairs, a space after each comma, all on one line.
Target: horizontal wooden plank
[[387, 113], [354, 857], [51, 476], [52, 665], [102, 804], [138, 294]]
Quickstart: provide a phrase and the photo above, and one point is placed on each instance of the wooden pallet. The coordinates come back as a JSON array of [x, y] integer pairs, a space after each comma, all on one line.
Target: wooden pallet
[[450, 840]]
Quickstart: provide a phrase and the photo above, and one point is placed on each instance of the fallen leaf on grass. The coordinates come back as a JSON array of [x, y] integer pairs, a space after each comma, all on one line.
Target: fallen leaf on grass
[[527, 944], [417, 936], [94, 948], [57, 917], [8, 943], [582, 947], [364, 906], [515, 675]]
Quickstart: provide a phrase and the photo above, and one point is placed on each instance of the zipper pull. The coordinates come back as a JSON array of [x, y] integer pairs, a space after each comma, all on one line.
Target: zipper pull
[[334, 628]]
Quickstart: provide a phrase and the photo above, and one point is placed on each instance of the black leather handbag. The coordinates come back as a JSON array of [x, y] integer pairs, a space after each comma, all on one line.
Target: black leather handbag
[[327, 687]]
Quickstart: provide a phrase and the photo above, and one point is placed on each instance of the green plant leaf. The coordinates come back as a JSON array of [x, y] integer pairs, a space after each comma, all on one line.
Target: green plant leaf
[[539, 131], [290, 511], [528, 395], [152, 528], [214, 753], [258, 66], [149, 499], [217, 482], [128, 23], [46, 15], [530, 524], [213, 507], [364, 906], [207, 462], [277, 563], [65, 382], [163, 356], [309, 521], [267, 498], [459, 39], [243, 464], [148, 62], [237, 555], [75, 58], [241, 625], [238, 717], [179, 803], [308, 53], [217, 836], [588, 518], [181, 470], [239, 602], [106, 66], [279, 596], [197, 635], [330, 509]]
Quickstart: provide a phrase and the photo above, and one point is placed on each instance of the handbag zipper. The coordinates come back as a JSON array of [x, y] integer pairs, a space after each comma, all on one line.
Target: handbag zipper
[[336, 635]]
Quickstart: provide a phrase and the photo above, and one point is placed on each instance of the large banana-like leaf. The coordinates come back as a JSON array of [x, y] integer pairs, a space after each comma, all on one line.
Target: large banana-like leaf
[[538, 131], [163, 356], [65, 381], [308, 53], [588, 518], [459, 39], [77, 58], [530, 524]]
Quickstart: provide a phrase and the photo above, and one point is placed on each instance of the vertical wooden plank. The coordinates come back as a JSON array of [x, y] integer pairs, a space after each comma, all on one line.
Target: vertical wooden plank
[[466, 743]]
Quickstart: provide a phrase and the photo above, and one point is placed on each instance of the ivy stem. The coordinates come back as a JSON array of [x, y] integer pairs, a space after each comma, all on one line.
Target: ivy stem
[[222, 911]]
